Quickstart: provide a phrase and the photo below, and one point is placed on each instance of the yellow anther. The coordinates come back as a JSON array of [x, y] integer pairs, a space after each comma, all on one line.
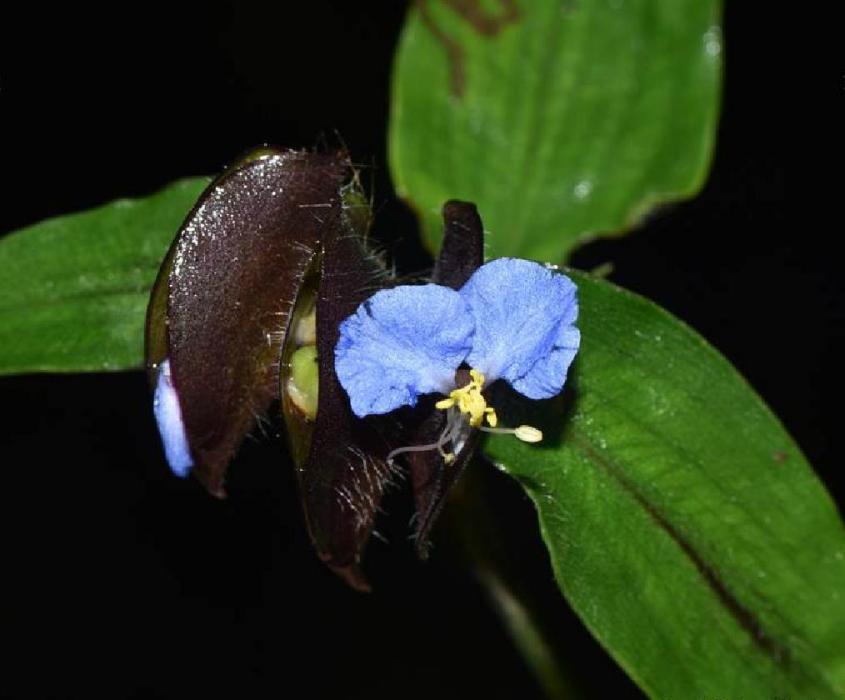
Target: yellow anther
[[528, 433], [492, 418], [470, 401]]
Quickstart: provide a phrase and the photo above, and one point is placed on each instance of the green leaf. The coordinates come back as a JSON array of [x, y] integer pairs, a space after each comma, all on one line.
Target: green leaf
[[684, 525], [561, 120], [74, 289]]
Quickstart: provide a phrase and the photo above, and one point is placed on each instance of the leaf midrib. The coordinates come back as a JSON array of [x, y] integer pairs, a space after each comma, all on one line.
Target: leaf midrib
[[767, 643], [92, 294]]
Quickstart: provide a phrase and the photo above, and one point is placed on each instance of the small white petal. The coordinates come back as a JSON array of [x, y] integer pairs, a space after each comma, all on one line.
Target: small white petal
[[170, 425]]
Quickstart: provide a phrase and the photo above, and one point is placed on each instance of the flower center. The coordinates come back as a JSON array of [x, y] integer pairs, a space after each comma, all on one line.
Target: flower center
[[464, 405], [470, 401]]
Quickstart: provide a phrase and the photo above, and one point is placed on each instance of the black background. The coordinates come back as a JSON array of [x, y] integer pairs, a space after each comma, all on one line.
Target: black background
[[122, 581]]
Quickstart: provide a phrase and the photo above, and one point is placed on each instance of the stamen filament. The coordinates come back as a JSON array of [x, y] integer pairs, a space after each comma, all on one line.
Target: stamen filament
[[526, 433], [412, 448], [450, 434]]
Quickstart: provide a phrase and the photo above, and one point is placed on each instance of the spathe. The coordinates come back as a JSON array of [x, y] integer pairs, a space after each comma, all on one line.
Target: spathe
[[275, 228]]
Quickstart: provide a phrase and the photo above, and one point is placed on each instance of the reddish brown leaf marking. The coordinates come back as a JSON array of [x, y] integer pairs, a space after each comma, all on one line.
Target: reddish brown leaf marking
[[473, 13]]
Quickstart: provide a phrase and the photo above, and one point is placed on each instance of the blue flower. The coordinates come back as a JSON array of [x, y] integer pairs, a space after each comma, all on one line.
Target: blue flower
[[401, 343], [168, 414], [513, 320]]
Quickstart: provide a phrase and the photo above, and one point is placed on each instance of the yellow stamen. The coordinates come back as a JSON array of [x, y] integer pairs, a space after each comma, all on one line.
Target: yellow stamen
[[528, 433], [470, 401]]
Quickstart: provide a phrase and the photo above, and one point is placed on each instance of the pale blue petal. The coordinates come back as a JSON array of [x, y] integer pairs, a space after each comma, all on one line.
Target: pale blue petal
[[170, 426], [524, 314], [402, 343]]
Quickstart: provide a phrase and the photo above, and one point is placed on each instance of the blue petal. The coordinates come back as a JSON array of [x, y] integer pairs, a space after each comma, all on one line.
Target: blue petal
[[170, 426], [524, 314], [401, 343]]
